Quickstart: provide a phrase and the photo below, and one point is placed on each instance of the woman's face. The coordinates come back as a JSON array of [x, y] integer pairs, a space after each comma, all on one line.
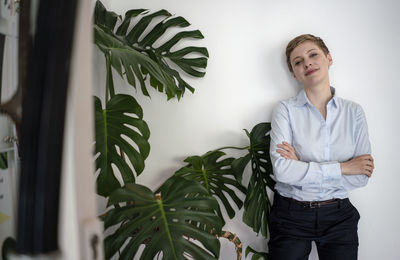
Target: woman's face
[[310, 64]]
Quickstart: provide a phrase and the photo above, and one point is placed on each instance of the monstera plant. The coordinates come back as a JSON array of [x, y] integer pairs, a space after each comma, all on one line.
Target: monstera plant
[[182, 218], [160, 222], [137, 61]]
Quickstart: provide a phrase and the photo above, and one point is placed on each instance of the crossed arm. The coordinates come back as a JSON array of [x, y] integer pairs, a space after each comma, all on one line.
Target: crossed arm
[[363, 164], [288, 169]]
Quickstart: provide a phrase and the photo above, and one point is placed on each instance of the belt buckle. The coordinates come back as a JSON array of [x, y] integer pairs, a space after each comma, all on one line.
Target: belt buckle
[[314, 204]]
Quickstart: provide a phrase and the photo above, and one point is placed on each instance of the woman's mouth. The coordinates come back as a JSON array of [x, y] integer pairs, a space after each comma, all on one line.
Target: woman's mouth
[[311, 72]]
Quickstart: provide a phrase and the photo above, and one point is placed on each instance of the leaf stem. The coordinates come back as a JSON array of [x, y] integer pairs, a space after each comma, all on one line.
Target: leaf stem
[[235, 240], [164, 218], [105, 133], [203, 171], [233, 147], [109, 79]]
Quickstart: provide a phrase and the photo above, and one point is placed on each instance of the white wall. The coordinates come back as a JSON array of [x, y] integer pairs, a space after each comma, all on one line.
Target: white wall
[[247, 75]]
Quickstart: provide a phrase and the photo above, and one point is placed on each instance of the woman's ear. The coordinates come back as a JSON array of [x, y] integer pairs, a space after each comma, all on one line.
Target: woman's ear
[[329, 59]]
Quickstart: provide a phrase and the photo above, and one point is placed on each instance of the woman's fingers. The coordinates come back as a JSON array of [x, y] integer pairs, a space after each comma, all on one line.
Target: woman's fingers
[[368, 169], [370, 165], [287, 151], [283, 149], [288, 146], [283, 153], [368, 162], [363, 164]]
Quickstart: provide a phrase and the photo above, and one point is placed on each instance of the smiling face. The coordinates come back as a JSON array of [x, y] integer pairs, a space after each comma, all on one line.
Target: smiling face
[[310, 64]]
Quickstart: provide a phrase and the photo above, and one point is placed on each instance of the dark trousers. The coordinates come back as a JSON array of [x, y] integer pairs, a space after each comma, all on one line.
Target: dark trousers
[[293, 226]]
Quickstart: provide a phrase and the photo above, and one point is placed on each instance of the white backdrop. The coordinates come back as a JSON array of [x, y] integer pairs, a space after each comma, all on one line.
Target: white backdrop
[[247, 75]]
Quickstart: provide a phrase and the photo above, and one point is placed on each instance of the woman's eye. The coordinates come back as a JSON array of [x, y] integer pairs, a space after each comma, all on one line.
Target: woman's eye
[[296, 63], [313, 54]]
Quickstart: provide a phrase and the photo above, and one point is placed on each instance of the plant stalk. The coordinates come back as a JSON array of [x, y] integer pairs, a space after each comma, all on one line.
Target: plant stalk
[[235, 240], [109, 81], [233, 147]]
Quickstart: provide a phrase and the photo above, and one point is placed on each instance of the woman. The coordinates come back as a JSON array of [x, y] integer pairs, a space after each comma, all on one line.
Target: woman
[[320, 151]]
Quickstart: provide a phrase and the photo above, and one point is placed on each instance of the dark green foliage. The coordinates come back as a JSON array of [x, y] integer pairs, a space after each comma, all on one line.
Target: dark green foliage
[[160, 222], [257, 204], [256, 255], [122, 117], [185, 210], [133, 52], [217, 176]]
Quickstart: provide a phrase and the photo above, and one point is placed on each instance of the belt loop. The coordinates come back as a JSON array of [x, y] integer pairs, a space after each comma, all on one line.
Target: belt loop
[[340, 203]]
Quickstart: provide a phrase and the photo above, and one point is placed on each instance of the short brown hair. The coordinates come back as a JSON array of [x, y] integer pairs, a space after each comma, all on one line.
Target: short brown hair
[[299, 40]]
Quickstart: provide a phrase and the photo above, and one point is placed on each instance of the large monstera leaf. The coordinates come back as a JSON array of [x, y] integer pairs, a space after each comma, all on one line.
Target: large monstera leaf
[[118, 126], [217, 176], [161, 222], [257, 204], [126, 45]]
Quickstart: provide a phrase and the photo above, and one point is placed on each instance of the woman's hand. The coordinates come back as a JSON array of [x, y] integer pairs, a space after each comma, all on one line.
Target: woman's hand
[[363, 164], [287, 151]]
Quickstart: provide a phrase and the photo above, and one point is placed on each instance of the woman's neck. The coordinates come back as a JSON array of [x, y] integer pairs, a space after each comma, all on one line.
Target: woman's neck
[[319, 96]]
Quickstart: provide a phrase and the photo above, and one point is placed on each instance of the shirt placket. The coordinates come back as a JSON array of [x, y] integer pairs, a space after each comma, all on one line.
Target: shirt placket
[[327, 137], [327, 134], [325, 129]]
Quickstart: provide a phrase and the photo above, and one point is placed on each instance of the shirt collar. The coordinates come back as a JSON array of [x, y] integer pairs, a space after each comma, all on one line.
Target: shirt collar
[[302, 99]]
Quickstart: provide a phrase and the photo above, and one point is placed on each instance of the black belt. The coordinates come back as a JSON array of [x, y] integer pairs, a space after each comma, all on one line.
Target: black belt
[[318, 204], [314, 204]]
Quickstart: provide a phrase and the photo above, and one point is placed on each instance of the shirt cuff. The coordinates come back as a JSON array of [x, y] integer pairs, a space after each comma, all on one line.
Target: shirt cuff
[[331, 171]]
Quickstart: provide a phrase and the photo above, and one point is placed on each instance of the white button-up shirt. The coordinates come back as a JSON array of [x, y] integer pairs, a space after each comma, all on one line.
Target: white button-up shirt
[[320, 146]]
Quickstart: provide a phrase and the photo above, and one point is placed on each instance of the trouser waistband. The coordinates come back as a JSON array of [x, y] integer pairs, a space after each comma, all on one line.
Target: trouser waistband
[[310, 204]]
